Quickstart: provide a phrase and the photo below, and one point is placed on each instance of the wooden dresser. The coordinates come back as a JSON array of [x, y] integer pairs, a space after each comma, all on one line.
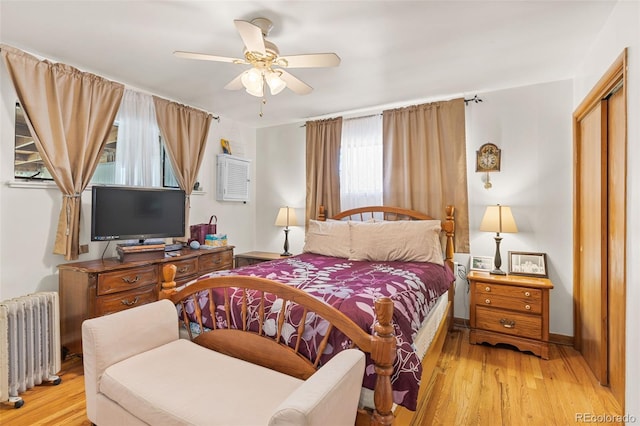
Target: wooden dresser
[[510, 309], [99, 287]]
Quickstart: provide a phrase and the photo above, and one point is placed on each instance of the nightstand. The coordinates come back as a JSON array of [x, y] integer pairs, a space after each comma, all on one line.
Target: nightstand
[[510, 309], [253, 257]]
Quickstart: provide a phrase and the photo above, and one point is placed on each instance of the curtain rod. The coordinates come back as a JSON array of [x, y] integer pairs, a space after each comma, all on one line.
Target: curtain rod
[[475, 99], [351, 118]]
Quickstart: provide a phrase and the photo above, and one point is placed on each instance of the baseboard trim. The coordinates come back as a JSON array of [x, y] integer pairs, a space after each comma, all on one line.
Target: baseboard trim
[[561, 339]]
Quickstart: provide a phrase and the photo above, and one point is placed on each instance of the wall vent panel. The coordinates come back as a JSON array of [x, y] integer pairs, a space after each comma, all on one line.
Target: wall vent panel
[[233, 178]]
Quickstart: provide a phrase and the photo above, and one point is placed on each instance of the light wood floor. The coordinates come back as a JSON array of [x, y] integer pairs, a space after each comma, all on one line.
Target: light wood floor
[[473, 385]]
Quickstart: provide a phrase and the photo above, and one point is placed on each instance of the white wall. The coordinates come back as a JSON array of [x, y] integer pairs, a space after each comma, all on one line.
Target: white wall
[[532, 126], [622, 31], [280, 181], [29, 215]]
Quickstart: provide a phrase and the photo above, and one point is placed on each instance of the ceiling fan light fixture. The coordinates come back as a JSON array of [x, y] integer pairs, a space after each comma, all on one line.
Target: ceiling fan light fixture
[[276, 84], [253, 82]]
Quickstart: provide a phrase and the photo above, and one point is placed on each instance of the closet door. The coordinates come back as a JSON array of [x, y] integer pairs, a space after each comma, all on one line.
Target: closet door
[[616, 244], [591, 239], [600, 195]]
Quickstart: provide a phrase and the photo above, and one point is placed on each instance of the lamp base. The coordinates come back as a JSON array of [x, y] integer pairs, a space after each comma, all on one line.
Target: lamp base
[[285, 254], [498, 272]]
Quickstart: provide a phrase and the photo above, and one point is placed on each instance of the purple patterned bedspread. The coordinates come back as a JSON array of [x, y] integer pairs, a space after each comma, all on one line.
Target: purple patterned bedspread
[[352, 287]]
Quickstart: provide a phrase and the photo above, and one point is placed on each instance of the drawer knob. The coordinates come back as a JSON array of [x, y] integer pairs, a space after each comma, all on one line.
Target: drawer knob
[[487, 301], [487, 288], [527, 307], [131, 281], [183, 269], [126, 302], [506, 323], [526, 293]]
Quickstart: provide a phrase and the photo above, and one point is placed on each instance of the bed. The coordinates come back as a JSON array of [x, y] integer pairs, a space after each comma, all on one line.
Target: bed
[[396, 308]]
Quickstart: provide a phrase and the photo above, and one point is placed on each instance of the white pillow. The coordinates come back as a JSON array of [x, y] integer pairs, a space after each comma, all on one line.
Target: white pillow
[[331, 238], [402, 240]]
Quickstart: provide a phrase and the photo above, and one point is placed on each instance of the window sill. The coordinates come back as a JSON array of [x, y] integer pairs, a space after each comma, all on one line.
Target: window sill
[[32, 184]]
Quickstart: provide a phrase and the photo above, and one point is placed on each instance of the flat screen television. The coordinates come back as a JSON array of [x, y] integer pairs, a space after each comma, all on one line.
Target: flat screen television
[[136, 213]]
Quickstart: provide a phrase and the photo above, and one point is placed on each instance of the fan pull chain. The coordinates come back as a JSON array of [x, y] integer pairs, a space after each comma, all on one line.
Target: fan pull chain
[[264, 101]]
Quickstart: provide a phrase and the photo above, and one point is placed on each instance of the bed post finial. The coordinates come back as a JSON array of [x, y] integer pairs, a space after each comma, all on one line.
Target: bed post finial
[[449, 228], [322, 214], [168, 280], [383, 353]]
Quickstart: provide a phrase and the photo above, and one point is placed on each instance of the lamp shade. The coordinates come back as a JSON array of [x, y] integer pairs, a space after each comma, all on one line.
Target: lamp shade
[[286, 217], [253, 82], [498, 219], [276, 84]]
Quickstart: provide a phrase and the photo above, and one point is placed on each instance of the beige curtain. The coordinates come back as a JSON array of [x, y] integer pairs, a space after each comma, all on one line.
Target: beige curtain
[[69, 114], [424, 162], [184, 130], [323, 166]]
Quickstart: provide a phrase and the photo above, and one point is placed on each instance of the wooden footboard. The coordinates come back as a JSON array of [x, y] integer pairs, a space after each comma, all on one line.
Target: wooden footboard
[[272, 352]]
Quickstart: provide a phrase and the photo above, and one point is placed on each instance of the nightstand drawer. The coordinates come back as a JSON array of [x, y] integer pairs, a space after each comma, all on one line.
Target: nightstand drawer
[[523, 293], [127, 279], [527, 305], [507, 322]]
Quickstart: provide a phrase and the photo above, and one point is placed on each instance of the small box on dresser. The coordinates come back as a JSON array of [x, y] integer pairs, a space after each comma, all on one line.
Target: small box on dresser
[[510, 309]]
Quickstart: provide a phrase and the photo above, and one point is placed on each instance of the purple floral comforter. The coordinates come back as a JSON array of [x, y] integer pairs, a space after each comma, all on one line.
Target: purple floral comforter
[[351, 287]]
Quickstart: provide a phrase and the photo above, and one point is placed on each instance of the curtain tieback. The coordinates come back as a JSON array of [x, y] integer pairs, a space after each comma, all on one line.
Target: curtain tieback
[[74, 195]]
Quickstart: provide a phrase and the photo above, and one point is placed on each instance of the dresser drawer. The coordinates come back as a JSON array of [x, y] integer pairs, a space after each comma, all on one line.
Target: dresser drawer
[[186, 267], [117, 281], [216, 261], [125, 300], [507, 322]]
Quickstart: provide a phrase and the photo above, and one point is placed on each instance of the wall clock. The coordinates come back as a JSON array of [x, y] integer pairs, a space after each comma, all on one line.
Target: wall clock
[[488, 158]]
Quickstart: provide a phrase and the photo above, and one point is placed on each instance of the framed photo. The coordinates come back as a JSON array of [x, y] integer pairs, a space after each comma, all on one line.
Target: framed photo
[[529, 264], [481, 263]]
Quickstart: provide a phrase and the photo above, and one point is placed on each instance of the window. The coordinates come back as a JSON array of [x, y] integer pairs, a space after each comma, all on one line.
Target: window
[[361, 162], [28, 163]]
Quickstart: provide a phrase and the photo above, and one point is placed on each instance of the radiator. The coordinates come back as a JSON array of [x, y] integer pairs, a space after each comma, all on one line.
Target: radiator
[[29, 344]]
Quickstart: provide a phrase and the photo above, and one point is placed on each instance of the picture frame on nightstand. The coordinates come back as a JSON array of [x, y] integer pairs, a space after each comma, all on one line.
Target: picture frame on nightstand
[[528, 264], [481, 263]]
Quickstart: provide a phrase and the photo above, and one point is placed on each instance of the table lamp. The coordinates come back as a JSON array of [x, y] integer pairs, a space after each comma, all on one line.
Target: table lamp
[[498, 219], [286, 217]]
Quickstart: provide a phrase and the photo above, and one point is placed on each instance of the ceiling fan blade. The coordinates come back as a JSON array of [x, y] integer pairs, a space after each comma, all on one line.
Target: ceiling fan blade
[[312, 60], [236, 83], [251, 36], [295, 84], [205, 57]]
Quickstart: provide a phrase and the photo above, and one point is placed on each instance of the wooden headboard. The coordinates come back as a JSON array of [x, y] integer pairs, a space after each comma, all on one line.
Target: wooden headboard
[[396, 213]]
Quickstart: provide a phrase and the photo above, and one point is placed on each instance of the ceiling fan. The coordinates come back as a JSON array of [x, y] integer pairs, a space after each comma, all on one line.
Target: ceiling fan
[[267, 66]]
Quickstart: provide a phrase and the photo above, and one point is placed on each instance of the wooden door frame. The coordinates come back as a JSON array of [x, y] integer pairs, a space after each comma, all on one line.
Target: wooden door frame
[[614, 76]]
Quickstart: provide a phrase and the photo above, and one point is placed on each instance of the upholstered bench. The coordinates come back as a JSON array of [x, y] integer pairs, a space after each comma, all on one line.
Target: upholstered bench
[[137, 371]]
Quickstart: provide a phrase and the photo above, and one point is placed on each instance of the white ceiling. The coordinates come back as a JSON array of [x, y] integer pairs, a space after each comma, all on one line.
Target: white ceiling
[[393, 52]]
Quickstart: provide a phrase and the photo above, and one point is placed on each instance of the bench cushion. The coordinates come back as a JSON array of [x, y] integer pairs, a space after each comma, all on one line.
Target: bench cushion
[[159, 387]]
